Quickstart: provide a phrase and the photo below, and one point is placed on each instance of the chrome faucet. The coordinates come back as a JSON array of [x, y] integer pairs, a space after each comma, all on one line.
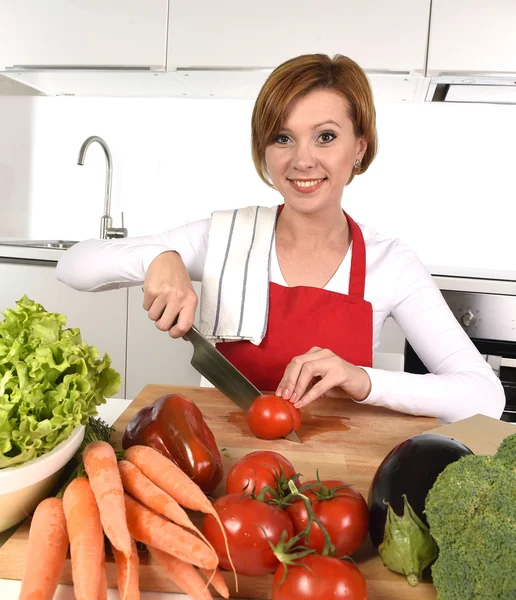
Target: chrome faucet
[[106, 222]]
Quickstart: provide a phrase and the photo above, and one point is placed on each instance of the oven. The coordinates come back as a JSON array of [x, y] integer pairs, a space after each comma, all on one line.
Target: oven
[[489, 319]]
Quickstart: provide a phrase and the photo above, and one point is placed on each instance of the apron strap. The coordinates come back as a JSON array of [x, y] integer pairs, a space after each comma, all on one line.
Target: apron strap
[[358, 261]]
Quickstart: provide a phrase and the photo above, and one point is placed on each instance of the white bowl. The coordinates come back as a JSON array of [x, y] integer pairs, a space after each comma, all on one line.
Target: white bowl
[[23, 487]]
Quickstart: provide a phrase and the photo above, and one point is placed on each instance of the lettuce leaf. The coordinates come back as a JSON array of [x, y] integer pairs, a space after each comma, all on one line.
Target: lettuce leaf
[[50, 381]]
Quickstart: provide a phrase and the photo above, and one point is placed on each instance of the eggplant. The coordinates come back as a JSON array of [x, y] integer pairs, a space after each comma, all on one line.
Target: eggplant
[[410, 468], [397, 522]]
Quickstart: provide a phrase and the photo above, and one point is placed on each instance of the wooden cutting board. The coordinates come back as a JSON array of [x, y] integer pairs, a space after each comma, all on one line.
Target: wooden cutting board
[[344, 440]]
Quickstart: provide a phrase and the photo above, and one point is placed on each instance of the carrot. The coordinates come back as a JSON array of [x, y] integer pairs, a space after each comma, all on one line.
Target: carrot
[[86, 538], [153, 530], [169, 477], [100, 463], [127, 573], [214, 577], [103, 577], [43, 569], [182, 574], [150, 495]]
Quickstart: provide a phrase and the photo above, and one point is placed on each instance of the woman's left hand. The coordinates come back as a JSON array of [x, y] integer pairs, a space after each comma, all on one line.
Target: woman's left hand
[[333, 376]]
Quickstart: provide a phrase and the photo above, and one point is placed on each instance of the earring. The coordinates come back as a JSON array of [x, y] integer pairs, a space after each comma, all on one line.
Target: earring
[[357, 165]]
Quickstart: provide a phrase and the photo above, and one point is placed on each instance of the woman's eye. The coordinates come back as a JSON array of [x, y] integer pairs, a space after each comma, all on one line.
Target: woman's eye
[[282, 139], [327, 136]]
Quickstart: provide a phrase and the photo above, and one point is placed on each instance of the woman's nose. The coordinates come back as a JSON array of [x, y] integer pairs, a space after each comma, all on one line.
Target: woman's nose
[[303, 157]]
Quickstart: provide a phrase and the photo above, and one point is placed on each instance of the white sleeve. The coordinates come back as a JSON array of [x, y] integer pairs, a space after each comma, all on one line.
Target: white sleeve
[[460, 383], [99, 265]]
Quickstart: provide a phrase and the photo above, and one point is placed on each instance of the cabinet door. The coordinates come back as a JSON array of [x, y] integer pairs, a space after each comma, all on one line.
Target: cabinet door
[[101, 317], [472, 35], [152, 355], [79, 33], [376, 34]]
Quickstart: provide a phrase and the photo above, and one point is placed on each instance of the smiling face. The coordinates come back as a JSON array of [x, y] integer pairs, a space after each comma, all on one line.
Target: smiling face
[[313, 155]]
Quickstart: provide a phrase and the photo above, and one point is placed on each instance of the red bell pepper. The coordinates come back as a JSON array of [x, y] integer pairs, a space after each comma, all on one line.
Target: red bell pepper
[[175, 426]]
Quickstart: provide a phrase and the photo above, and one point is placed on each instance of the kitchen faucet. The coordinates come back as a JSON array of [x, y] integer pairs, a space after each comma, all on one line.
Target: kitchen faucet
[[106, 222]]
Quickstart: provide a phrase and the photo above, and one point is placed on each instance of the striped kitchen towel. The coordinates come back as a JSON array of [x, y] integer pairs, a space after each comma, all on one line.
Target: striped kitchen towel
[[235, 282]]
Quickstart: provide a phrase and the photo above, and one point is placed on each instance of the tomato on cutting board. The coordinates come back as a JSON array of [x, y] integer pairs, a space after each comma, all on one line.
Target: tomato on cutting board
[[270, 417], [319, 577], [341, 509], [257, 470], [247, 523]]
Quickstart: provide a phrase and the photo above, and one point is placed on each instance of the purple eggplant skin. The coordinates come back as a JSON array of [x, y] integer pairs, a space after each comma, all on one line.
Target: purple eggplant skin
[[410, 468]]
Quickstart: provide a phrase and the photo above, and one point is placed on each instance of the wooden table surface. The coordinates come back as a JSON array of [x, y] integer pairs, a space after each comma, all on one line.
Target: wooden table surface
[[343, 440]]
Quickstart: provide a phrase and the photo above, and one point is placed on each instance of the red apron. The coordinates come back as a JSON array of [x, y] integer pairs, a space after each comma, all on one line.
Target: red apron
[[302, 317]]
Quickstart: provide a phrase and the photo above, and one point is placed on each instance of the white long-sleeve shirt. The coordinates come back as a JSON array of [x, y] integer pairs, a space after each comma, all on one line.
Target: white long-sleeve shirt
[[460, 383]]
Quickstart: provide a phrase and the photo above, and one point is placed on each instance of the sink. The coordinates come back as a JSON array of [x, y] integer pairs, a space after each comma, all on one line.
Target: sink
[[52, 244]]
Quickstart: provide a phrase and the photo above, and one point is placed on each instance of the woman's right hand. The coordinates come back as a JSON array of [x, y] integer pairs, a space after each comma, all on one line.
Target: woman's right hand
[[169, 293]]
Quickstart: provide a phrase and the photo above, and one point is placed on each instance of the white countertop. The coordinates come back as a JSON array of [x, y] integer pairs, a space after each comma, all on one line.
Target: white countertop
[[477, 284], [472, 273], [10, 590], [462, 278], [24, 252]]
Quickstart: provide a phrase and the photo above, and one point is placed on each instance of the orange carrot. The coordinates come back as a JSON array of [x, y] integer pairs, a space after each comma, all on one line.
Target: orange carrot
[[182, 574], [216, 579], [150, 495], [86, 538], [103, 577], [153, 530], [127, 574], [43, 569], [169, 477], [100, 463]]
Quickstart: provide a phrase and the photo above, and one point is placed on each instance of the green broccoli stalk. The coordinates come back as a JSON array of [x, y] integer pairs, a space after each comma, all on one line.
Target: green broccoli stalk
[[471, 510], [407, 547]]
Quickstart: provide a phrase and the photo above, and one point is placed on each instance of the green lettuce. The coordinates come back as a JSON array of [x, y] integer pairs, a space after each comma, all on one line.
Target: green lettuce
[[50, 381]]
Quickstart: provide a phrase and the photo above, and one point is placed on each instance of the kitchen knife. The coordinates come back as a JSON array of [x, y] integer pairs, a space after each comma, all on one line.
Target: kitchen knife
[[210, 363]]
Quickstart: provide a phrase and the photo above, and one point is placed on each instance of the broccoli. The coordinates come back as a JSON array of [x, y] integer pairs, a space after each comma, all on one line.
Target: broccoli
[[507, 451], [471, 511]]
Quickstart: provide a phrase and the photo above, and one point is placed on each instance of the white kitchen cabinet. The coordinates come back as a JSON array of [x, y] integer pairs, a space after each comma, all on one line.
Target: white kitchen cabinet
[[472, 35], [377, 34], [78, 33], [152, 355], [101, 317]]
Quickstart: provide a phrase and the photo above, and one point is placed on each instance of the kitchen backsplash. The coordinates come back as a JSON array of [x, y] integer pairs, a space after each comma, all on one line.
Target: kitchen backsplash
[[442, 179]]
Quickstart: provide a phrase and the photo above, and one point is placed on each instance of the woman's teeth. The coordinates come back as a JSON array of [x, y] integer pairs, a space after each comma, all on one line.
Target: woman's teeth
[[306, 184]]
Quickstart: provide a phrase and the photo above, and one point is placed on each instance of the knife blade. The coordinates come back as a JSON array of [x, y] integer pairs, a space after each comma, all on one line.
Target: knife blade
[[217, 369]]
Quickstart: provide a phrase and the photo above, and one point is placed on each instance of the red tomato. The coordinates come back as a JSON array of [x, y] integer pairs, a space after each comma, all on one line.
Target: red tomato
[[345, 517], [242, 517], [270, 417], [322, 578], [257, 470]]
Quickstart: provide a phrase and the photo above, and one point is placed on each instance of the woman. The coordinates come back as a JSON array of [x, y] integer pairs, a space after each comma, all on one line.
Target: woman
[[296, 296]]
